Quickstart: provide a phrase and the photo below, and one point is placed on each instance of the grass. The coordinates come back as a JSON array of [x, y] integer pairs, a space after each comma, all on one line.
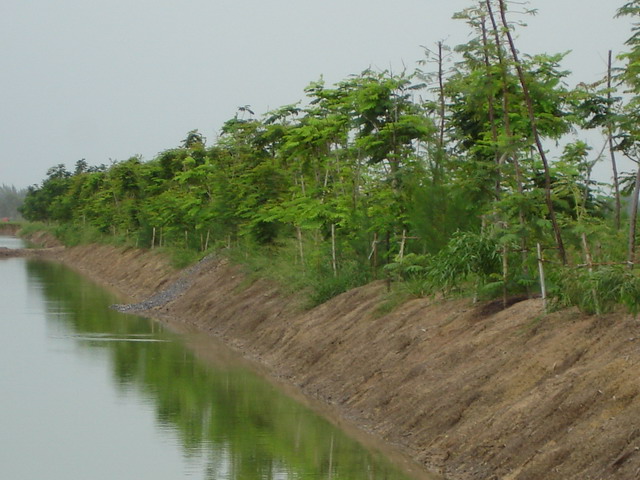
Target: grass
[[391, 301], [314, 279]]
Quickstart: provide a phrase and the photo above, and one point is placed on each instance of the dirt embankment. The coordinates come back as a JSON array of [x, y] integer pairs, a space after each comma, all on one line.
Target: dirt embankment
[[473, 394], [43, 243], [9, 228]]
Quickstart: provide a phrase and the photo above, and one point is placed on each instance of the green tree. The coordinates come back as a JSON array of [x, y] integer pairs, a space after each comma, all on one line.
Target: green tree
[[629, 122]]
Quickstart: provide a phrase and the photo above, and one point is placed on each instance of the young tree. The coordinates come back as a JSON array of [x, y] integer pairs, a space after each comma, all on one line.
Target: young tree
[[534, 130], [629, 123]]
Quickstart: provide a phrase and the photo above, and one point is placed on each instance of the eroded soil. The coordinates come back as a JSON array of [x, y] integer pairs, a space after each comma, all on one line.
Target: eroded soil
[[471, 393]]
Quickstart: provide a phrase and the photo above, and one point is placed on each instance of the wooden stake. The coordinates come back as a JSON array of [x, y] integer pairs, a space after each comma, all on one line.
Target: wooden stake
[[333, 250], [543, 285], [153, 238], [331, 459], [374, 254], [589, 260], [505, 275], [300, 246]]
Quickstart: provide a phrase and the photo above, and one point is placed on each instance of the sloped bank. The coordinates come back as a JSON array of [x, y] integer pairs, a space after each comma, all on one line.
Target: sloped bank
[[9, 228], [473, 394]]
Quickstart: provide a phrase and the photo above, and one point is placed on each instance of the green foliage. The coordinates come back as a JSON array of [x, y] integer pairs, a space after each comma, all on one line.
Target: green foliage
[[467, 256], [315, 280], [393, 299], [326, 285], [71, 235], [181, 257], [598, 291], [28, 229], [378, 173]]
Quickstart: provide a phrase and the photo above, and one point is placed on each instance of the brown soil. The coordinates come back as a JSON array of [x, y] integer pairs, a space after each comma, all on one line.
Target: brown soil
[[466, 390], [8, 228], [44, 244]]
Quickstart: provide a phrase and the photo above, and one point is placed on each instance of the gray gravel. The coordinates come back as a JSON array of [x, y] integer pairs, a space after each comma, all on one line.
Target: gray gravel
[[170, 293]]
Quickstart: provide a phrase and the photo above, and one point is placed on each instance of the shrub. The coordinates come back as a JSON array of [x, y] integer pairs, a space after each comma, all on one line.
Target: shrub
[[598, 291]]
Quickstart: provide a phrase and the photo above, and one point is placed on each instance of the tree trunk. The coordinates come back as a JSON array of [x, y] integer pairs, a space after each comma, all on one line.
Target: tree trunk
[[508, 132], [437, 171], [491, 105], [589, 260], [633, 221], [441, 96], [534, 130], [616, 185]]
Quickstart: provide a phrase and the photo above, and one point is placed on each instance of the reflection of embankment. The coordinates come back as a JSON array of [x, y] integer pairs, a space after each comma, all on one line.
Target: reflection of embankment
[[12, 252], [513, 394], [227, 411], [26, 252], [9, 229]]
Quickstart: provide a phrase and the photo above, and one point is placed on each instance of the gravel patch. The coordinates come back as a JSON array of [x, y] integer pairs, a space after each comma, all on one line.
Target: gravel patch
[[167, 295]]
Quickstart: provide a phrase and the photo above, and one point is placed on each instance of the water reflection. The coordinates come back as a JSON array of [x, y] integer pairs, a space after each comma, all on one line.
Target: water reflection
[[229, 422], [11, 242]]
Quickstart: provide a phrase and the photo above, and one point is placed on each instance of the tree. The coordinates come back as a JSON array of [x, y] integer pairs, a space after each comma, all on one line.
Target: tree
[[629, 123], [11, 200], [48, 202], [534, 130]]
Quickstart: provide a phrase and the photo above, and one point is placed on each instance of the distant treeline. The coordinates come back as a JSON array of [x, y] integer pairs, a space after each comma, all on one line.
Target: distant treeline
[[10, 202], [438, 178]]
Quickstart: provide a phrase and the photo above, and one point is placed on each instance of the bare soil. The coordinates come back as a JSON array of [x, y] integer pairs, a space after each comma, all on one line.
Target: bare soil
[[8, 228], [470, 391]]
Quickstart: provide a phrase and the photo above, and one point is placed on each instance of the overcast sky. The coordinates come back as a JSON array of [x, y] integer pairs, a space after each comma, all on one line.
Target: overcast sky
[[107, 79]]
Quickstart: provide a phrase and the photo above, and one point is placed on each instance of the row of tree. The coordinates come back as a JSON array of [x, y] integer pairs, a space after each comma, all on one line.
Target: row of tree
[[440, 177]]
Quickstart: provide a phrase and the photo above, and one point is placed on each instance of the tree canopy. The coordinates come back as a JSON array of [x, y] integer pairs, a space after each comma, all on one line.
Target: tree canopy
[[441, 178]]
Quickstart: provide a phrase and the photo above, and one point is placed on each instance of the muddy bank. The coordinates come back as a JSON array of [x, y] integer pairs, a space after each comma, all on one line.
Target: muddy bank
[[9, 228], [43, 244], [18, 252], [473, 394]]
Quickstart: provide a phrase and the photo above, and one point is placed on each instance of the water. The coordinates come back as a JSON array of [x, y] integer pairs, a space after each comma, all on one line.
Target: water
[[11, 242], [86, 392]]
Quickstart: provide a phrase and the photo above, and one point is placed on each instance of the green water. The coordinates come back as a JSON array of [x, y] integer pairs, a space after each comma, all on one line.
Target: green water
[[89, 393]]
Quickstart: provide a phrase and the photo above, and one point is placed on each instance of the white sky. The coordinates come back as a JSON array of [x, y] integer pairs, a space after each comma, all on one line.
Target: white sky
[[108, 79]]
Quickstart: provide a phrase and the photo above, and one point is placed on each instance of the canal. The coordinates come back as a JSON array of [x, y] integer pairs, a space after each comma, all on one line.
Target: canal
[[87, 392]]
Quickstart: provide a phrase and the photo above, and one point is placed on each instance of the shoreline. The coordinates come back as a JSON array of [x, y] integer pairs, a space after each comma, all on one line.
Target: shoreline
[[507, 395]]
